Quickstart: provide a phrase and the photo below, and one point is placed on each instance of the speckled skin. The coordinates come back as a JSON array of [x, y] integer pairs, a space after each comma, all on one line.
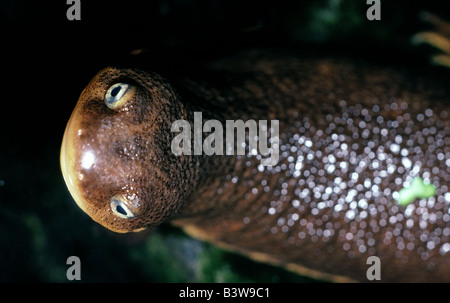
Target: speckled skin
[[351, 136]]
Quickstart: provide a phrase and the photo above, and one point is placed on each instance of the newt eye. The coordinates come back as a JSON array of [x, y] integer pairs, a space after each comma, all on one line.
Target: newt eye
[[117, 95], [120, 208]]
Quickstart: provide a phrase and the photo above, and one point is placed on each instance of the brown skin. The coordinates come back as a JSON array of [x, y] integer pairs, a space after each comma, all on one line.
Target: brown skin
[[351, 127]]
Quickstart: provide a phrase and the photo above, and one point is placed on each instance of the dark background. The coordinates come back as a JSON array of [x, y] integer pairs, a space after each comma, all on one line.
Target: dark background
[[48, 60]]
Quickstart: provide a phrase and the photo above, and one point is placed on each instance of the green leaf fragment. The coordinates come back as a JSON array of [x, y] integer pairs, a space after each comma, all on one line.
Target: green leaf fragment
[[406, 196], [416, 190]]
